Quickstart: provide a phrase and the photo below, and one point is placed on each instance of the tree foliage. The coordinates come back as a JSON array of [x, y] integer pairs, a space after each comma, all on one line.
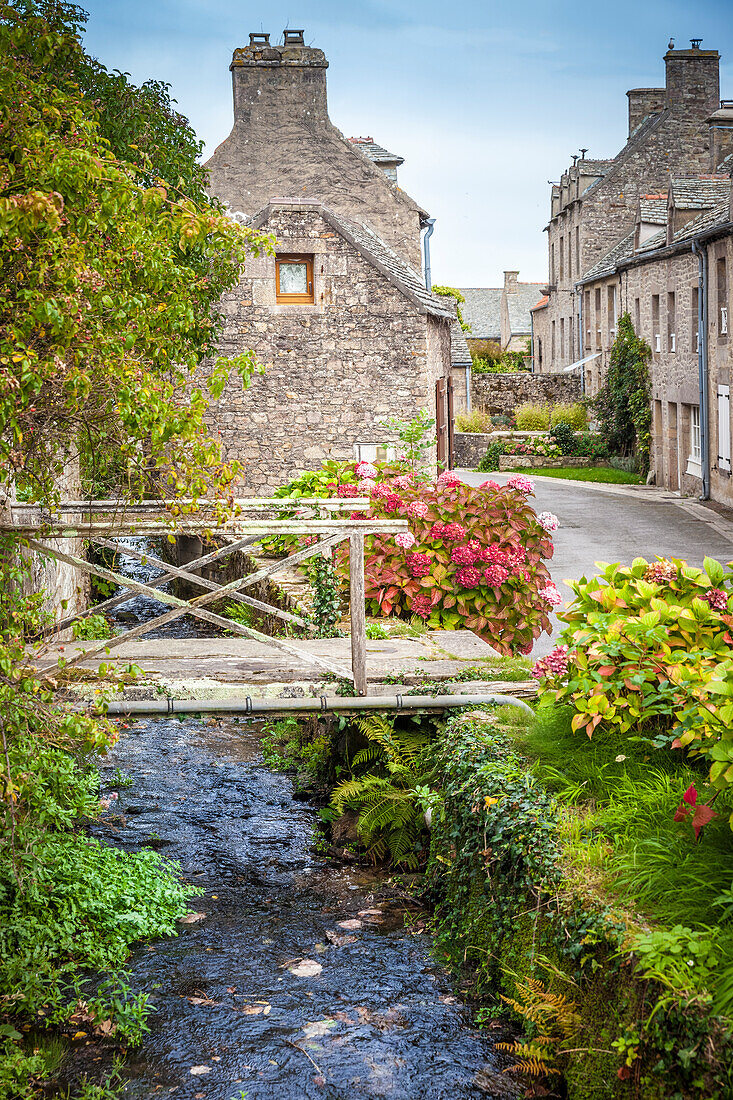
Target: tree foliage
[[624, 403], [112, 264]]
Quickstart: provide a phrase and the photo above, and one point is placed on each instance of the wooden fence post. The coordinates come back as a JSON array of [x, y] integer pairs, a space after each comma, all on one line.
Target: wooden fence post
[[358, 612]]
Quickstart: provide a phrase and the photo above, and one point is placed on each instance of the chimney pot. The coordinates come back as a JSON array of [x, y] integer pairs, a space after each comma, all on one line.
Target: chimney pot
[[293, 38], [260, 39], [695, 43]]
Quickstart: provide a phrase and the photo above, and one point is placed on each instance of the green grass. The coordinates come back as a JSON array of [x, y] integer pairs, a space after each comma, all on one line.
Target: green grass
[[626, 794], [605, 474]]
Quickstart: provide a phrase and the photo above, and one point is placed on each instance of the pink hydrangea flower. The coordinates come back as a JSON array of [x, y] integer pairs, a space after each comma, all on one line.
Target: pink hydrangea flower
[[422, 606], [493, 553], [347, 491], [418, 564], [525, 650], [548, 521], [551, 594], [463, 555], [404, 481], [359, 515], [392, 502], [521, 483], [717, 599], [468, 577], [495, 575], [436, 531], [447, 480], [365, 469], [366, 486], [380, 489], [405, 539], [308, 540], [453, 532], [516, 557], [554, 664], [418, 509], [490, 484]]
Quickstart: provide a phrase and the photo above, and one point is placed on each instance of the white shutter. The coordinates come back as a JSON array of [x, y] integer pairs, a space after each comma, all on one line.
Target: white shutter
[[724, 428]]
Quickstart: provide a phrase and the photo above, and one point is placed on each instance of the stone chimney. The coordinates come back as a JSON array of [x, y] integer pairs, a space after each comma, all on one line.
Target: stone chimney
[[510, 281], [693, 80], [644, 102], [720, 125], [273, 83]]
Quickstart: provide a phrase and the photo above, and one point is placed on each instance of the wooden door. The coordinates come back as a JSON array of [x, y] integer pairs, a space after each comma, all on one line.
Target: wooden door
[[450, 423]]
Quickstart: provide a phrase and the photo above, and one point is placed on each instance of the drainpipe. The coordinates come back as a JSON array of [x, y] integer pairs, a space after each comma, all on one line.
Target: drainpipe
[[430, 223], [468, 389], [323, 705], [531, 339], [581, 345], [702, 366]]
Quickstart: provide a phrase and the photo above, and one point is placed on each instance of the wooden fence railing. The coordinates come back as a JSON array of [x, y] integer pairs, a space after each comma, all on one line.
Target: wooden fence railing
[[103, 521]]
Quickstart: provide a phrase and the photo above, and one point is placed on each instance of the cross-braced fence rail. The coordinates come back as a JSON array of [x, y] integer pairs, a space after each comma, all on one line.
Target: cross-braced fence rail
[[251, 520]]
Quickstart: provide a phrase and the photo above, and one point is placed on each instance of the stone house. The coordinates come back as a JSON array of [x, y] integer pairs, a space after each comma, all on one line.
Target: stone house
[[368, 341], [674, 131], [500, 315], [340, 315], [675, 284]]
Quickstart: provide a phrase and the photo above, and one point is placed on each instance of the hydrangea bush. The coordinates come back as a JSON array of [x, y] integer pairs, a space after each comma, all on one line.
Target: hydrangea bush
[[473, 558]]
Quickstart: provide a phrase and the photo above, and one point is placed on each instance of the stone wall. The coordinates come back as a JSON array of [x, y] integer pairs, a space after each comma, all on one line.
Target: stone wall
[[502, 393], [360, 353]]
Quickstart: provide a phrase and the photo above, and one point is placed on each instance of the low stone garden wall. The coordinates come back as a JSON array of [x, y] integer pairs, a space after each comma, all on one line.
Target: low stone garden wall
[[499, 394], [539, 462], [470, 447]]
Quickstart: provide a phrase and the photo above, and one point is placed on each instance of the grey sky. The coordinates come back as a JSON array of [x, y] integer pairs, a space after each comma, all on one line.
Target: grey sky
[[485, 101]]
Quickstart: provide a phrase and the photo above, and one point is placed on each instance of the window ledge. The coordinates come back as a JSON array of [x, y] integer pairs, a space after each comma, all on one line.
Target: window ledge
[[694, 467]]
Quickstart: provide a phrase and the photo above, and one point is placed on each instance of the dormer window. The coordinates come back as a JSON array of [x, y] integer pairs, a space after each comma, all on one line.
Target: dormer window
[[294, 280]]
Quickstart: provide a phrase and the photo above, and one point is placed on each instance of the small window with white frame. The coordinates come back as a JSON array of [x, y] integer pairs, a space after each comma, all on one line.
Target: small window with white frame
[[375, 452], [695, 448]]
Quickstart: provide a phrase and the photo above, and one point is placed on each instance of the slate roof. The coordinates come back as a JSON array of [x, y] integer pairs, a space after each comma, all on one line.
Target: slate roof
[[373, 249], [714, 215], [635, 141], [460, 356], [653, 209], [699, 192], [542, 304], [482, 311], [519, 303], [607, 264], [726, 165], [375, 152]]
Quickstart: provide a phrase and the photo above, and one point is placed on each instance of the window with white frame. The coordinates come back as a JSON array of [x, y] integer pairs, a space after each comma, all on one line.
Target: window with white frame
[[374, 452], [695, 450]]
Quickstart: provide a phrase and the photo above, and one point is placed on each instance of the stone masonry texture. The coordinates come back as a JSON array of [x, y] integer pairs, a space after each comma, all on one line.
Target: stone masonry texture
[[502, 393], [361, 352]]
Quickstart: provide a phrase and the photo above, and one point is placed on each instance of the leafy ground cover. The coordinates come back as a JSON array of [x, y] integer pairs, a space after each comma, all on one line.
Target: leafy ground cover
[[605, 475]]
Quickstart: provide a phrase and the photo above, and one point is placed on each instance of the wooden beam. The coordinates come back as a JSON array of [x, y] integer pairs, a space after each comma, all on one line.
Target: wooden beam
[[358, 612], [237, 527]]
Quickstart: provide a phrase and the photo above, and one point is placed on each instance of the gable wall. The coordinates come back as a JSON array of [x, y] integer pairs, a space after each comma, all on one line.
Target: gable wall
[[361, 352]]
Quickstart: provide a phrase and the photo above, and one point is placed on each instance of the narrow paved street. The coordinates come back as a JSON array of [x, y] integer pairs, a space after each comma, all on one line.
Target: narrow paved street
[[619, 523]]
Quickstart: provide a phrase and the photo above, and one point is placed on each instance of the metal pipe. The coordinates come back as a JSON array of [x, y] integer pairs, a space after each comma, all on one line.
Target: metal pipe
[[468, 389], [702, 367], [430, 223], [323, 704]]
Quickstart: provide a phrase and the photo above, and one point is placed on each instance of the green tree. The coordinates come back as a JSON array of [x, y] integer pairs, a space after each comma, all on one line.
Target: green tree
[[110, 274], [624, 402]]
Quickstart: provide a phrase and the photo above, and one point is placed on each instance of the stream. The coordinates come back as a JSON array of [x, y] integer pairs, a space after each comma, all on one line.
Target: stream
[[303, 979]]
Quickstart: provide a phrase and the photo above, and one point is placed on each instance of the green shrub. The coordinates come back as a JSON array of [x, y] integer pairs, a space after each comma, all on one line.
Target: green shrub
[[94, 626], [387, 791], [475, 421], [532, 417], [535, 417]]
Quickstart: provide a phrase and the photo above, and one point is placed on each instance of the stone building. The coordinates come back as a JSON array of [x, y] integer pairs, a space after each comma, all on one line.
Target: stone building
[[500, 315], [674, 131], [675, 284], [340, 315]]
